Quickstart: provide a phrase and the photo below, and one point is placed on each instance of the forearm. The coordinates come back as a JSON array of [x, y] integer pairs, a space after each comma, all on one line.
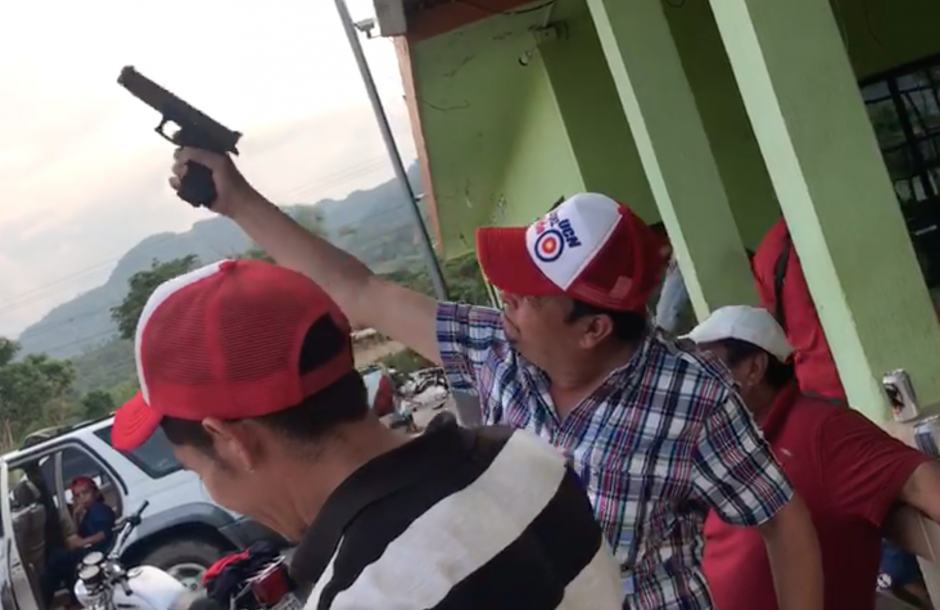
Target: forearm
[[341, 275], [922, 490], [93, 539], [397, 312], [794, 556], [74, 542]]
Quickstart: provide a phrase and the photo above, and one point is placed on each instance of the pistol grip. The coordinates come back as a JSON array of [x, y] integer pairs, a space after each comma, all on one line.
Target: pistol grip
[[197, 187]]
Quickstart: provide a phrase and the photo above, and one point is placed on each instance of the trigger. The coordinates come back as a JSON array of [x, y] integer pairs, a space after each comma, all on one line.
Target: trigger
[[162, 132]]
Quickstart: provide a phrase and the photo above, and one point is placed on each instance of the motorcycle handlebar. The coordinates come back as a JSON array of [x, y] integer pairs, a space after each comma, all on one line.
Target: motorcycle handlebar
[[135, 516], [124, 528]]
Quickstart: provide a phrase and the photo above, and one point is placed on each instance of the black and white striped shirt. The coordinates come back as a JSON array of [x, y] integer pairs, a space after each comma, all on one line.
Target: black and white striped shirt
[[460, 519]]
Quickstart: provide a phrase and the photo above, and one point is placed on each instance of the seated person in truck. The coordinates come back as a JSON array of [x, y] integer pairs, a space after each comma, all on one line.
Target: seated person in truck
[[94, 522], [850, 472]]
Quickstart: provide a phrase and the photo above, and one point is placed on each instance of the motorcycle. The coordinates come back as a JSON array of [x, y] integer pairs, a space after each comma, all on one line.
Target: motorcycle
[[400, 395], [104, 584]]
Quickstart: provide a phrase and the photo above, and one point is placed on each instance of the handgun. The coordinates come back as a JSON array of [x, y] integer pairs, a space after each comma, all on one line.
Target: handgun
[[195, 130]]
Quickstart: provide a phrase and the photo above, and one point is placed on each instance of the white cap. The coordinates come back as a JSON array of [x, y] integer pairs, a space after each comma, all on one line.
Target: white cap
[[752, 325]]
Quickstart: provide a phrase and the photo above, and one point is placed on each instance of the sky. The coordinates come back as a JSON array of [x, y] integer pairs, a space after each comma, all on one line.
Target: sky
[[83, 174]]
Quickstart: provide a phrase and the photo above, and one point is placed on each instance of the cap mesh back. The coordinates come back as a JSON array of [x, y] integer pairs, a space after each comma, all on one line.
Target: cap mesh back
[[230, 344], [626, 271]]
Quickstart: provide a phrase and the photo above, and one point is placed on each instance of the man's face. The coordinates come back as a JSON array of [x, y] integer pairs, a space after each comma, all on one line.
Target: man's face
[[84, 495], [540, 328], [234, 476], [747, 373], [720, 352]]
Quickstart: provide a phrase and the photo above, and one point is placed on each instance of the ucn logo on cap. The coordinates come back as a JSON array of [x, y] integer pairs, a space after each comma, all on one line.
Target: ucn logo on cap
[[554, 235]]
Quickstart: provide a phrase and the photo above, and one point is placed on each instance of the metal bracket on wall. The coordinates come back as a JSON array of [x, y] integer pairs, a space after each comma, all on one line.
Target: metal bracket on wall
[[550, 33]]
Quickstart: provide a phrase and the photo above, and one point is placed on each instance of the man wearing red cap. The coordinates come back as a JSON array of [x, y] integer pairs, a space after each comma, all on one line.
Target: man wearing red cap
[[657, 434], [247, 368]]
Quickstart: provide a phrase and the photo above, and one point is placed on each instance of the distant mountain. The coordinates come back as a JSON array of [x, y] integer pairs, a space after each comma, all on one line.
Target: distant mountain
[[374, 224]]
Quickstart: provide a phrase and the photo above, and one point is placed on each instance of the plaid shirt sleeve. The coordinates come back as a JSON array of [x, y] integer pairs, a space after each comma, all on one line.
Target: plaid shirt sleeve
[[736, 472], [466, 336]]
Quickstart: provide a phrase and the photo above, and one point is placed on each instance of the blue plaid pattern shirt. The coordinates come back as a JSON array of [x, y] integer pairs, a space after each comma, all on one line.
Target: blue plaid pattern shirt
[[664, 439]]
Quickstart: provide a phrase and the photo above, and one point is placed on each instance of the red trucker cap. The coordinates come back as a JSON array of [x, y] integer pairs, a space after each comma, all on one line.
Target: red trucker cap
[[232, 340], [590, 248]]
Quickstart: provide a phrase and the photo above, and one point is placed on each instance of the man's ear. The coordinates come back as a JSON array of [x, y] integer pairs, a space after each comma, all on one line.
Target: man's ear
[[596, 329], [233, 442], [757, 368]]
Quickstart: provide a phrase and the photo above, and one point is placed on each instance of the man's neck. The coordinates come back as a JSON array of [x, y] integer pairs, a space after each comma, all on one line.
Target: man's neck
[[577, 378], [314, 483], [760, 401]]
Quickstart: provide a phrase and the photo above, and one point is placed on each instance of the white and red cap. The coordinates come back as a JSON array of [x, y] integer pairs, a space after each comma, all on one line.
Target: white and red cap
[[590, 248], [232, 340], [753, 325]]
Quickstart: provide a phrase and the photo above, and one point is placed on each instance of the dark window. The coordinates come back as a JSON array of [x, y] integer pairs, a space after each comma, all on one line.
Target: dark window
[[904, 108], [155, 456], [77, 462]]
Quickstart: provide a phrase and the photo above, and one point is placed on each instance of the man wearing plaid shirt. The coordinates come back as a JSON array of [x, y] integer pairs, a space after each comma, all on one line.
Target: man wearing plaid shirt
[[658, 434]]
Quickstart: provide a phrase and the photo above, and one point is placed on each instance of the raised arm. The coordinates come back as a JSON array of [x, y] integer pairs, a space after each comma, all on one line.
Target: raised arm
[[404, 315]]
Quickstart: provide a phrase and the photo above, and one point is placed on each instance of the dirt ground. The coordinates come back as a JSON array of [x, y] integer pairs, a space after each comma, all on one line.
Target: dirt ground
[[371, 353]]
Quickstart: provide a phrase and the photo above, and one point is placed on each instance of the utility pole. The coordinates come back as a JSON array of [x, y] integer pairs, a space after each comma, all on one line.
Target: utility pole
[[434, 267]]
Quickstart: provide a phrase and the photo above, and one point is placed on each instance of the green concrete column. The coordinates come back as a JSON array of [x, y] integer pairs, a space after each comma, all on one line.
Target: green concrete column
[[750, 192], [822, 156], [674, 149], [593, 117]]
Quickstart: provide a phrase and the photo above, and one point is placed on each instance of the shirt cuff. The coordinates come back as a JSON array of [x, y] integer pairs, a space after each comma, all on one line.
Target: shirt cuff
[[454, 361]]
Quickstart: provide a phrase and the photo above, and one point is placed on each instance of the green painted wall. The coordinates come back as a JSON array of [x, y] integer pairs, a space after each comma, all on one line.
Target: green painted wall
[[472, 94], [541, 165], [574, 136], [505, 140], [593, 117], [740, 164]]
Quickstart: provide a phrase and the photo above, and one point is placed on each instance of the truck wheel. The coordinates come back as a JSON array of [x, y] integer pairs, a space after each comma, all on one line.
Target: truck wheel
[[185, 560]]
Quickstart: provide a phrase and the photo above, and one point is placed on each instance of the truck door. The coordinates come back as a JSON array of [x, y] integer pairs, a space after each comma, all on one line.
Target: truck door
[[15, 584]]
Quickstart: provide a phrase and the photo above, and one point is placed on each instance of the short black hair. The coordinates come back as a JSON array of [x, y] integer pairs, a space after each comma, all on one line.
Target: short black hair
[[777, 375], [629, 326], [658, 227], [317, 416], [309, 422]]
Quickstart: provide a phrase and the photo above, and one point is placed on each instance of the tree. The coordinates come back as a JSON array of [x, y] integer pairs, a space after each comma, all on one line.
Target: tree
[[98, 403], [125, 391], [141, 285], [463, 276], [33, 391]]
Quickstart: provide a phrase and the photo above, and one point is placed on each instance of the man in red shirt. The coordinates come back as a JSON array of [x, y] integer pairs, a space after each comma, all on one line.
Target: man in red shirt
[[850, 472], [782, 288]]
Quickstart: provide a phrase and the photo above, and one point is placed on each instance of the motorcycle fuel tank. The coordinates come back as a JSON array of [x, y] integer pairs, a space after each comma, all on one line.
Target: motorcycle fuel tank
[[150, 589]]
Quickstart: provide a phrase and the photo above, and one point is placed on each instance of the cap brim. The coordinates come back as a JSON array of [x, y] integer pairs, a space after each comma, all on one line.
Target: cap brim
[[134, 423], [507, 265], [704, 333]]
